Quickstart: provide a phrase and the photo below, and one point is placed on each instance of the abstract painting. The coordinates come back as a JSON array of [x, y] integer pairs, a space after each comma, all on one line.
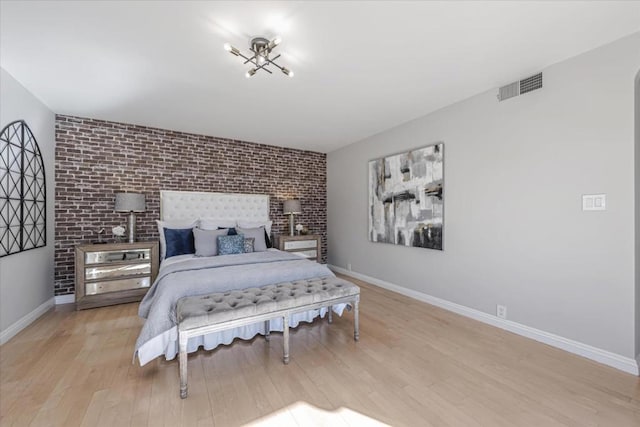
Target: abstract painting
[[406, 203]]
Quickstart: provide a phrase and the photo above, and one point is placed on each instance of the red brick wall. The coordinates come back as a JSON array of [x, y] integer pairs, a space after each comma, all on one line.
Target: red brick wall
[[95, 159]]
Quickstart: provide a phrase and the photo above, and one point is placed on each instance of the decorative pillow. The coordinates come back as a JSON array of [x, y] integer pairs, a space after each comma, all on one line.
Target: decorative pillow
[[231, 231], [267, 239], [229, 245], [248, 244], [179, 241], [181, 224], [253, 224], [215, 223], [260, 244], [206, 241]]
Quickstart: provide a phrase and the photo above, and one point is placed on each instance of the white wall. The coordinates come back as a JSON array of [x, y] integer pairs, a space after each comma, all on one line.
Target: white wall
[[514, 175], [26, 278], [637, 214]]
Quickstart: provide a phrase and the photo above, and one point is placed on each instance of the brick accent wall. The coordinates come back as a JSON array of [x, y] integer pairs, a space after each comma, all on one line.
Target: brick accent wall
[[95, 159]]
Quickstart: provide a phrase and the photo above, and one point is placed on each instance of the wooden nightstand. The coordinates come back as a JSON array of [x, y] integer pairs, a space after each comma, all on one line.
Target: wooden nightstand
[[306, 246], [114, 273]]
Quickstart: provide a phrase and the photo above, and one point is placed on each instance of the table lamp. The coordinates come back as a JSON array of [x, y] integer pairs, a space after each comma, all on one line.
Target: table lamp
[[131, 203], [291, 208]]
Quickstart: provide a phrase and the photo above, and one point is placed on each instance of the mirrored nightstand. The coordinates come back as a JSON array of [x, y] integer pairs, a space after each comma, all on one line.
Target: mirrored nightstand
[[306, 246], [114, 273]]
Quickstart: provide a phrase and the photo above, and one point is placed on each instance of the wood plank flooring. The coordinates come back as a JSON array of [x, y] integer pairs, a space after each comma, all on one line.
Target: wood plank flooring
[[415, 365]]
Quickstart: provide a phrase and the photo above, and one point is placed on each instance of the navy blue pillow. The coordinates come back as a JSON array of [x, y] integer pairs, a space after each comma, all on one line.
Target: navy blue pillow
[[267, 239], [232, 231], [179, 241]]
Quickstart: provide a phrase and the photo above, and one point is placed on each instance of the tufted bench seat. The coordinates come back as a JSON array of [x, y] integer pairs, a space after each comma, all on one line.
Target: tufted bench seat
[[201, 315]]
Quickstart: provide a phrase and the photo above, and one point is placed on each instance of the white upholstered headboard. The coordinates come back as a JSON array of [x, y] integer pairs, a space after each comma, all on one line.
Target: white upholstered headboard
[[176, 205]]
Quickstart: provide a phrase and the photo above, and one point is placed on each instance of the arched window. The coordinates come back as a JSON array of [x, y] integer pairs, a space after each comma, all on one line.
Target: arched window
[[23, 193]]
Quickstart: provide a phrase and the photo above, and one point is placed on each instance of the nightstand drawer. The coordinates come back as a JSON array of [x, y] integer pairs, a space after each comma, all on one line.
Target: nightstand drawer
[[114, 271], [300, 244], [94, 288], [305, 246], [306, 254], [102, 257]]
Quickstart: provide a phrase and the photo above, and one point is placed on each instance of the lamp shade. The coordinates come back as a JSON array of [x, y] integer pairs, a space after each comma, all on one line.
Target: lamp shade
[[292, 207], [129, 202]]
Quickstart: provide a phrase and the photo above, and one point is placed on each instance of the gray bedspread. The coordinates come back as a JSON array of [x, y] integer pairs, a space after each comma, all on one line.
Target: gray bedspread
[[199, 276]]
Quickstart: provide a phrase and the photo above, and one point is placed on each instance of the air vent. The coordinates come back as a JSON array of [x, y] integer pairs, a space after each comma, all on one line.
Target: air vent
[[530, 83], [520, 87], [509, 91]]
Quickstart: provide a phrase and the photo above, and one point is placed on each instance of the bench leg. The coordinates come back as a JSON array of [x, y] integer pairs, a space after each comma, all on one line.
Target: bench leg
[[356, 319], [285, 339], [330, 314], [183, 364], [267, 330]]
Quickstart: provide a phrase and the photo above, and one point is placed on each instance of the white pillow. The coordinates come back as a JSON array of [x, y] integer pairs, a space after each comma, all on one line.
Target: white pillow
[[179, 224], [254, 224], [215, 223]]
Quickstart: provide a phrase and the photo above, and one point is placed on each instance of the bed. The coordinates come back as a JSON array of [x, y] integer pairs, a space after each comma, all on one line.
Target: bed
[[191, 275]]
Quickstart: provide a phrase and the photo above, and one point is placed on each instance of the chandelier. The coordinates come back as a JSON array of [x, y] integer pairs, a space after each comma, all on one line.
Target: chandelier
[[261, 48]]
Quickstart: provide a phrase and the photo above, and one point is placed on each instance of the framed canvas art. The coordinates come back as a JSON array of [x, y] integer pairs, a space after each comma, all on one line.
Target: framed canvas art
[[406, 198]]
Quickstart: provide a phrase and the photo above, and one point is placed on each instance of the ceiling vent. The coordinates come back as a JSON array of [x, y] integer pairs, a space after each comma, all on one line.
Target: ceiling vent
[[520, 87]]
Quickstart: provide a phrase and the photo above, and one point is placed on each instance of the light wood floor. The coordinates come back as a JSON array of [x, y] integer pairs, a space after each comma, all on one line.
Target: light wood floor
[[415, 365]]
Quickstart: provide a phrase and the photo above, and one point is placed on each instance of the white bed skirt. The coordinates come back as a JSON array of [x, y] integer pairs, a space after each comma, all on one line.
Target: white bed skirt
[[167, 342]]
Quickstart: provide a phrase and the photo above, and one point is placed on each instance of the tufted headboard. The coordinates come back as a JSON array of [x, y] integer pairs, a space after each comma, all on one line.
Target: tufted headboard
[[176, 205]]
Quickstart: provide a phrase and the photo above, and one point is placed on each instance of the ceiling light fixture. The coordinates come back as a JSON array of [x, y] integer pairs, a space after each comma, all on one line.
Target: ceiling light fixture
[[261, 48]]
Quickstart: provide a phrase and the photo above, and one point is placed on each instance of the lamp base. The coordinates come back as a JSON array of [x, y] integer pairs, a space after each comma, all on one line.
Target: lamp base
[[291, 224], [132, 227]]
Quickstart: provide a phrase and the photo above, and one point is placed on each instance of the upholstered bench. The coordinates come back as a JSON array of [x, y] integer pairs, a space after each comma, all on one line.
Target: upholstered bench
[[201, 315]]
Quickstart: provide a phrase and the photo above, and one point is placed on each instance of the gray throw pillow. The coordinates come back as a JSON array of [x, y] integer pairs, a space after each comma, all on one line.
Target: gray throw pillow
[[206, 241], [248, 245], [259, 245]]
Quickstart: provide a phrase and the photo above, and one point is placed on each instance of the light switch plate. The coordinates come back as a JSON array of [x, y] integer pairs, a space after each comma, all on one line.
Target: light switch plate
[[594, 202]]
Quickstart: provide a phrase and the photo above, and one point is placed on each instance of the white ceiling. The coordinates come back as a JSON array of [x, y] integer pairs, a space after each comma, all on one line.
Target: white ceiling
[[360, 67]]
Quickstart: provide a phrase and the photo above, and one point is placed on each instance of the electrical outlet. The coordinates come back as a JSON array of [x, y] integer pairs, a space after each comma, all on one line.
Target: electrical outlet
[[349, 266], [501, 311]]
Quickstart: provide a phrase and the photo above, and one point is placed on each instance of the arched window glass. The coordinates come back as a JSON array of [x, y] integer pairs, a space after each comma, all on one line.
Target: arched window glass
[[23, 194]]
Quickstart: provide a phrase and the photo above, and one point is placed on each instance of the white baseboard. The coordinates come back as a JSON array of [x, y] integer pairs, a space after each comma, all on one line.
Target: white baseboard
[[25, 321], [605, 357], [65, 299]]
